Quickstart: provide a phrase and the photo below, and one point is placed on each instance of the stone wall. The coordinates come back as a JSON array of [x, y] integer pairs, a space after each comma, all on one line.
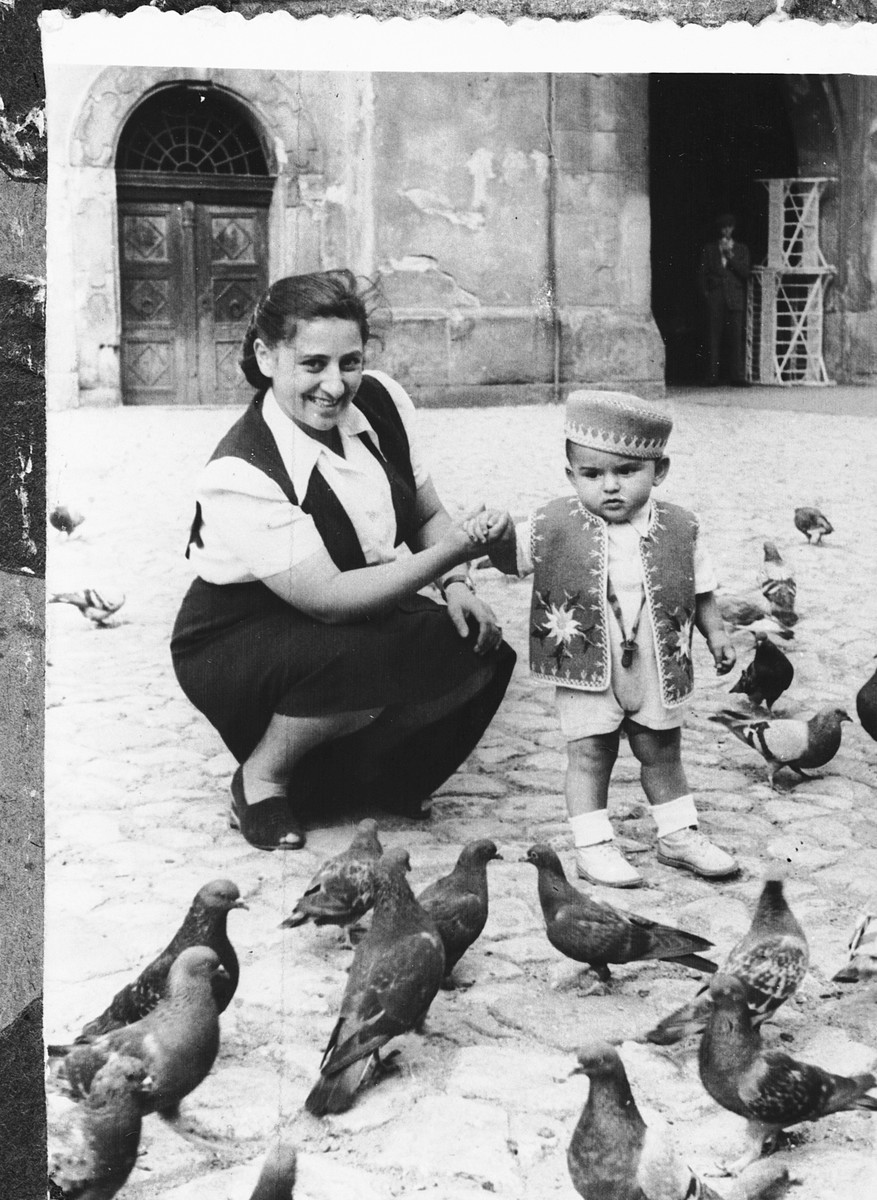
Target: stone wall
[[507, 216], [439, 184]]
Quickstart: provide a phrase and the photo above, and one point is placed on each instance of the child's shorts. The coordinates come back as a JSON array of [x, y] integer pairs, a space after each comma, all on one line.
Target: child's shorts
[[633, 691]]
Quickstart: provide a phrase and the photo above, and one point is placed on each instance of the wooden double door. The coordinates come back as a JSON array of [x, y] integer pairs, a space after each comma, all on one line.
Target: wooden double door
[[191, 274]]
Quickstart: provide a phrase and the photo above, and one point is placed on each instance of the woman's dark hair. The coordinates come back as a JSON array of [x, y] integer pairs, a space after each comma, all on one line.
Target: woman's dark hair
[[306, 298]]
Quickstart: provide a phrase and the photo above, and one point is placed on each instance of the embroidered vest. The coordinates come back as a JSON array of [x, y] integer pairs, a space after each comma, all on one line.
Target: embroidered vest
[[251, 439], [569, 643]]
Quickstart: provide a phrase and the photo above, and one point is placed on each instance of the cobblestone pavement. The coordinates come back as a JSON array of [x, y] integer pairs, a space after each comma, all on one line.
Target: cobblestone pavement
[[136, 796]]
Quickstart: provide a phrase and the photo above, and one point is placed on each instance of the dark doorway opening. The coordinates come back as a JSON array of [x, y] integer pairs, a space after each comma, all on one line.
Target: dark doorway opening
[[710, 138]]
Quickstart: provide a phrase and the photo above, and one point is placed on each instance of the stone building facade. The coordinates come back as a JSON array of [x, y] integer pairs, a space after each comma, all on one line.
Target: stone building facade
[[512, 221]]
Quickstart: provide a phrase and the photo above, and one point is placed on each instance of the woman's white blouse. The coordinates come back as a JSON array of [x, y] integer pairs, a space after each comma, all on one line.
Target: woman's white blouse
[[251, 531]]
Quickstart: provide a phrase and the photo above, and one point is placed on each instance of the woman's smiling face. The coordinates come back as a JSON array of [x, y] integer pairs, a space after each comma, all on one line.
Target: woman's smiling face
[[317, 373]]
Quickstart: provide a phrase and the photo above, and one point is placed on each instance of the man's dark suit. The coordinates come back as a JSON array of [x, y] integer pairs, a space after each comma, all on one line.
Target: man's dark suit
[[724, 289]]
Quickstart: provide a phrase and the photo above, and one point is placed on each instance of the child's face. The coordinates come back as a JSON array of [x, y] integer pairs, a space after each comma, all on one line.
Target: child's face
[[611, 486]]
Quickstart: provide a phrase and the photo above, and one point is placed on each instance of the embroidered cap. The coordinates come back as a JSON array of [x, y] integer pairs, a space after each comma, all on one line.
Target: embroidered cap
[[618, 423]]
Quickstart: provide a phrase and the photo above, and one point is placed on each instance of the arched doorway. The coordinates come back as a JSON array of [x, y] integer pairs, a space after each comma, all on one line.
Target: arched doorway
[[193, 189], [710, 138]]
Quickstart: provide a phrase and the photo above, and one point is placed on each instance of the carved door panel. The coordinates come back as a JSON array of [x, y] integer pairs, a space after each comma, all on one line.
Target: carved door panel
[[157, 311], [191, 274], [231, 256]]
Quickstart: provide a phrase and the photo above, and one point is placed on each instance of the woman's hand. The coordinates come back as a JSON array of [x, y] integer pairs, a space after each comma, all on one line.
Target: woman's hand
[[463, 604]]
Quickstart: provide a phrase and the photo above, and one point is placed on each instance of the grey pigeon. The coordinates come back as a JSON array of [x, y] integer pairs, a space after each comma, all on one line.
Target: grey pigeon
[[93, 1149], [277, 1177], [597, 934], [458, 902], [866, 706], [740, 612], [394, 977], [203, 925], [768, 675], [789, 743], [94, 605], [65, 519], [614, 1155], [177, 1042], [862, 961], [343, 890], [770, 960], [767, 1087], [813, 524], [778, 585]]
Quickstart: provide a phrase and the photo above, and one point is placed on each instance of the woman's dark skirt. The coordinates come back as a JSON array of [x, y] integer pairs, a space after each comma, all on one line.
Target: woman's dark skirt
[[241, 654]]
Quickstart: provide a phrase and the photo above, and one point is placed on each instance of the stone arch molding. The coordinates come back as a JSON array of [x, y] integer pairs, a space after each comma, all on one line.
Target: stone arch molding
[[274, 103]]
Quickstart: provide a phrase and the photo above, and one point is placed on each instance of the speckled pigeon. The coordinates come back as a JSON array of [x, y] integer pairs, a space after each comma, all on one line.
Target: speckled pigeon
[[395, 974], [778, 585], [343, 890], [813, 524], [177, 1042], [770, 959], [597, 934], [789, 743], [768, 675], [458, 902], [767, 1087], [93, 1148], [277, 1176], [95, 606], [203, 925]]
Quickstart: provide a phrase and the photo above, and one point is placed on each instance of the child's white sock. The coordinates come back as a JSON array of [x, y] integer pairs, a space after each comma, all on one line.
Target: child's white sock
[[589, 829], [674, 815]]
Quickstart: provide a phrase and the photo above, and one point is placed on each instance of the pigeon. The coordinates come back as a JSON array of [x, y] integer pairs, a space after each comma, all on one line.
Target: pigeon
[[770, 960], [93, 1150], [778, 585], [277, 1177], [789, 743], [177, 1042], [740, 613], [203, 925], [866, 706], [91, 603], [813, 524], [65, 519], [862, 962], [767, 1087], [597, 934], [614, 1155], [394, 977], [458, 902], [343, 890], [768, 675]]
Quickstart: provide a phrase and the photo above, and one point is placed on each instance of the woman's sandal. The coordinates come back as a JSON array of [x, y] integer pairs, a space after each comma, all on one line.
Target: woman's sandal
[[268, 825]]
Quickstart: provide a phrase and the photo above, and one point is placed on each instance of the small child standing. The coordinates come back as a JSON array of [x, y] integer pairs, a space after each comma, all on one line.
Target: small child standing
[[620, 580]]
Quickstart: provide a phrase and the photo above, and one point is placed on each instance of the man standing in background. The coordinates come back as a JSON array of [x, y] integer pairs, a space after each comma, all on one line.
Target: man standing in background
[[722, 275]]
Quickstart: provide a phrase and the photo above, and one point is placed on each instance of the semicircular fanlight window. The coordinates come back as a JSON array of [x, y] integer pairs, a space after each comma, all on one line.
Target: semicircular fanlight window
[[190, 131]]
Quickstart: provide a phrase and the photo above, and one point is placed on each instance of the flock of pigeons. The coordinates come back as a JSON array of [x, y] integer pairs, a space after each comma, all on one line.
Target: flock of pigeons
[[160, 1035]]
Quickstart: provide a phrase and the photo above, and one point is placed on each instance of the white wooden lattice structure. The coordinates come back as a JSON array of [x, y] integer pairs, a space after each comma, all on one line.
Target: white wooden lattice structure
[[786, 295]]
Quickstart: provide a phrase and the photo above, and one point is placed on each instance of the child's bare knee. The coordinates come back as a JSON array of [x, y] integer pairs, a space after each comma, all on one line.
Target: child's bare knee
[[655, 747], [593, 751]]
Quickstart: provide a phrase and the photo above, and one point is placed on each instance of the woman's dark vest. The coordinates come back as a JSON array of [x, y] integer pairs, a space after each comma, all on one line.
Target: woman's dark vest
[[568, 623], [251, 440]]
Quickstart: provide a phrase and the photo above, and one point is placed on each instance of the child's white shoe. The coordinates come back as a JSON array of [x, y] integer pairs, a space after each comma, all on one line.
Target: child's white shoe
[[690, 850], [605, 864]]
